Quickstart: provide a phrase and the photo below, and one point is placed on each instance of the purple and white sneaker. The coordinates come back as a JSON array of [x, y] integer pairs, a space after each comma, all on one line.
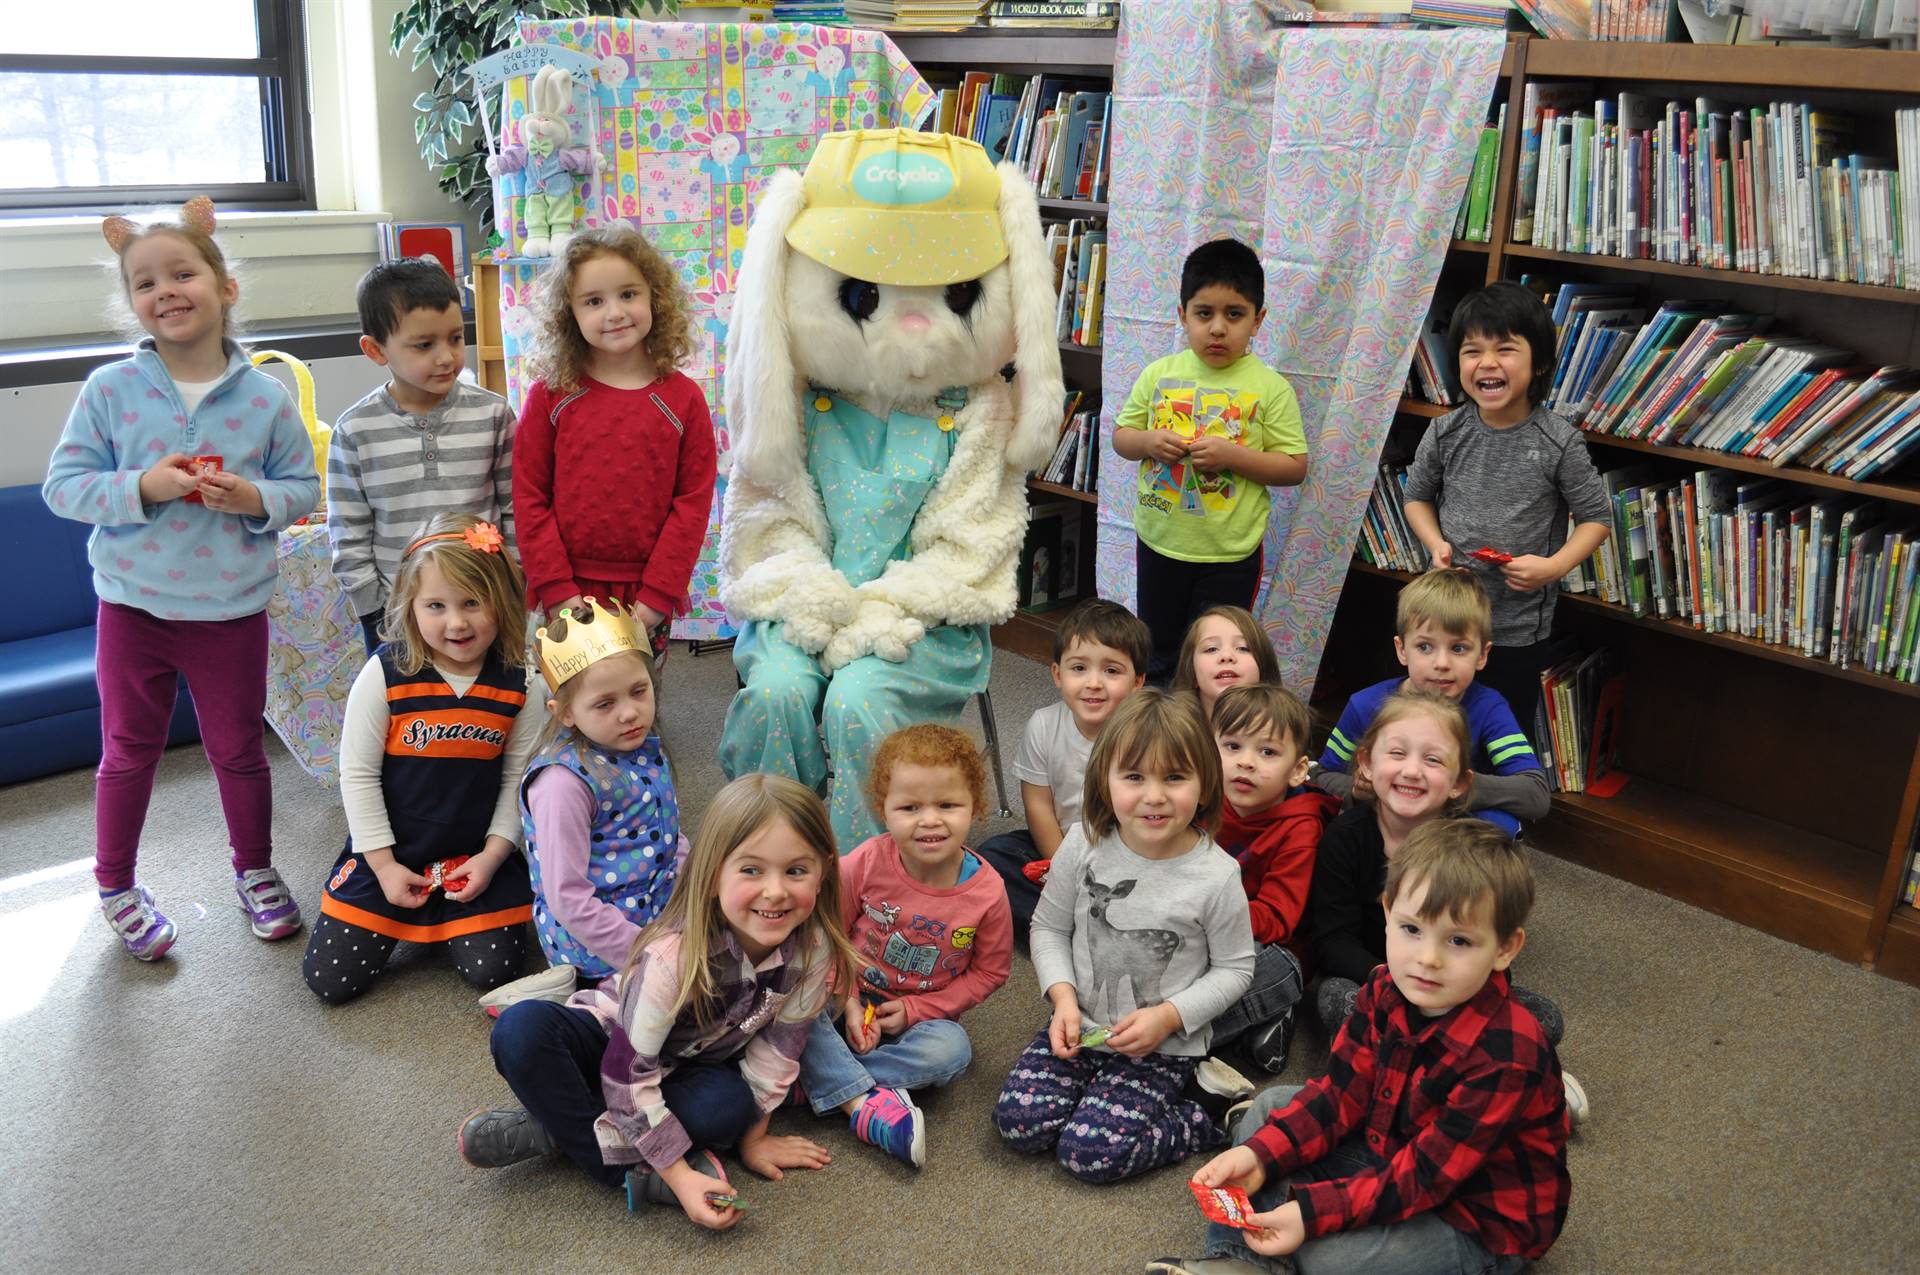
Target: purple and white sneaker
[[268, 903], [143, 931]]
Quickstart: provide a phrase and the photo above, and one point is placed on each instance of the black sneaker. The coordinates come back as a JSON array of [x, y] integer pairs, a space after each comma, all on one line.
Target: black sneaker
[[495, 1139], [1218, 1087], [1268, 1045]]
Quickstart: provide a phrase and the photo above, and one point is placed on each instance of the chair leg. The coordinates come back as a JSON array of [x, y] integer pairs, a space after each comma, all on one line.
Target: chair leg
[[984, 701]]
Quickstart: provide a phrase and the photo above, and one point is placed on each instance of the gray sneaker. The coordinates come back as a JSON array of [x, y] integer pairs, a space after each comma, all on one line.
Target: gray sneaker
[[494, 1139], [1202, 1266]]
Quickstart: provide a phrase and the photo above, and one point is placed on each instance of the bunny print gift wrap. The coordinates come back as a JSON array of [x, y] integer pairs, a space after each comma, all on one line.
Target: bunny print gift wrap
[[877, 499]]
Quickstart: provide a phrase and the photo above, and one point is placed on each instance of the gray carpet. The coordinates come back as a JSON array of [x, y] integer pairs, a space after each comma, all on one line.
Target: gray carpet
[[209, 1114]]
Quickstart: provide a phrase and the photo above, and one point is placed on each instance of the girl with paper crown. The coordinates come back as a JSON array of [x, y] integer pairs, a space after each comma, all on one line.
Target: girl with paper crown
[[877, 500]]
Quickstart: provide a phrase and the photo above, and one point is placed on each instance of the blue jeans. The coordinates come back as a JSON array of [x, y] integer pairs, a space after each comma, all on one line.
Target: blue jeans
[[927, 1054], [1276, 989], [1420, 1245], [550, 1056]]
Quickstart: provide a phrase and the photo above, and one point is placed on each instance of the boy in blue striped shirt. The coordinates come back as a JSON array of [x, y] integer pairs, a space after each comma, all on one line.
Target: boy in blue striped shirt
[[1444, 623]]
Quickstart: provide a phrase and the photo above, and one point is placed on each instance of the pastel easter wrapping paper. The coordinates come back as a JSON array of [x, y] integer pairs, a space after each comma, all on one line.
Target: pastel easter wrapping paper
[[1342, 157], [315, 654], [693, 119]]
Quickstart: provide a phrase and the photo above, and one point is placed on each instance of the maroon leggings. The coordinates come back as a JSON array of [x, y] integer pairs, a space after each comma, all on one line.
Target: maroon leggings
[[138, 660]]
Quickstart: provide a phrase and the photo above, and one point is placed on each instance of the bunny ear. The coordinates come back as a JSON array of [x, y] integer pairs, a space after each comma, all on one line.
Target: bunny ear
[[197, 213], [762, 395], [116, 230], [1037, 388]]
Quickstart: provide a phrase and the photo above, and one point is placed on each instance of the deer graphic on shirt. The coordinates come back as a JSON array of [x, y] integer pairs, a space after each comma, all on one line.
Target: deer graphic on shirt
[[1141, 955]]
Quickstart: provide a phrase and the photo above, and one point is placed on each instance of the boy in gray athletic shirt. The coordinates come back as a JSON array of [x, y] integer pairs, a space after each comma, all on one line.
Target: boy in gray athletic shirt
[[1502, 473]]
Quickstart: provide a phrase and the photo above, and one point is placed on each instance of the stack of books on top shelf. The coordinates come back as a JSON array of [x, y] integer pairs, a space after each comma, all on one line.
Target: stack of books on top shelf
[[1642, 21], [1778, 190], [1386, 541], [1078, 249], [819, 12], [1082, 14], [1076, 460], [920, 15], [1475, 219], [1831, 579], [1577, 724], [1463, 13], [1053, 126]]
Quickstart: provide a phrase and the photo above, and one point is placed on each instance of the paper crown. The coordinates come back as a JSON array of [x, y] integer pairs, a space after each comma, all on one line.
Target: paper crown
[[583, 636], [901, 207]]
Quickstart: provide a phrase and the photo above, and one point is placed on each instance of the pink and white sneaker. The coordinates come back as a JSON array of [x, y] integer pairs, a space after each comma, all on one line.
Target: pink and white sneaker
[[143, 931], [268, 903]]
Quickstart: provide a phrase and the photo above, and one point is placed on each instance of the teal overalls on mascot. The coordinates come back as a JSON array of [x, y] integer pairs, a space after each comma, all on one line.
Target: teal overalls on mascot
[[876, 497]]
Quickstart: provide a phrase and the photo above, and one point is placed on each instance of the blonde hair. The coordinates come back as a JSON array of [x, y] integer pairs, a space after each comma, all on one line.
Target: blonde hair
[[561, 354], [494, 578], [1248, 710], [737, 812], [1265, 662], [933, 746], [1401, 705], [556, 734], [1467, 864], [200, 241], [1153, 729], [1448, 598]]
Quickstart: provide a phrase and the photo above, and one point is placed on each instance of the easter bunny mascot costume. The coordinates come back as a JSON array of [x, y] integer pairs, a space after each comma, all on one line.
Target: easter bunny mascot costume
[[877, 499]]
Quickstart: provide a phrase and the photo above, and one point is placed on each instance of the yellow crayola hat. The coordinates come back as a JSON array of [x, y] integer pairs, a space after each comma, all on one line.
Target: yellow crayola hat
[[895, 206]]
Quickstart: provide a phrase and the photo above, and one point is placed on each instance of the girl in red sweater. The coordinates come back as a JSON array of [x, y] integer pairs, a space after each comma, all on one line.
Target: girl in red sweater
[[613, 459]]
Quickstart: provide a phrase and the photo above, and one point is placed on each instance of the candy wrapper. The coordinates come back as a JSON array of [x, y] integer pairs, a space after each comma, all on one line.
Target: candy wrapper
[[1094, 1036], [1036, 871], [202, 467], [1495, 556], [440, 875], [720, 1201], [1227, 1205]]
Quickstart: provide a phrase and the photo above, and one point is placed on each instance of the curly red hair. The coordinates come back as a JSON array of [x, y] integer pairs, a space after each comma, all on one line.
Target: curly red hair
[[936, 747]]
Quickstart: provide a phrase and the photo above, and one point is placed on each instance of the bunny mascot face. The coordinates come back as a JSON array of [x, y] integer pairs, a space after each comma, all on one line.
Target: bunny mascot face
[[877, 500], [548, 161]]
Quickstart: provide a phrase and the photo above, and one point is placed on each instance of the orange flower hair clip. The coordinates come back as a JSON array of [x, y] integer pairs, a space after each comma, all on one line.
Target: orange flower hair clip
[[481, 537]]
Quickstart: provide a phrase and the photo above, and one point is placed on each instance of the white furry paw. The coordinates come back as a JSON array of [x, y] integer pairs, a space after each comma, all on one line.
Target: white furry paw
[[536, 248], [893, 644], [810, 632], [558, 244]]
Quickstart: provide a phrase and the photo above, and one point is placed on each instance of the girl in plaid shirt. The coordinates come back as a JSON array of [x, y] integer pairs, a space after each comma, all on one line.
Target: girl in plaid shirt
[[691, 1047]]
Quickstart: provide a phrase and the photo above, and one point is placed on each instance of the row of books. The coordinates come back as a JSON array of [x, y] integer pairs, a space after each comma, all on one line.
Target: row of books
[[1890, 22], [937, 15], [1636, 21], [1078, 250], [1053, 126], [1074, 14], [1076, 459], [1831, 579], [1693, 375], [1776, 190], [1576, 726], [1475, 219]]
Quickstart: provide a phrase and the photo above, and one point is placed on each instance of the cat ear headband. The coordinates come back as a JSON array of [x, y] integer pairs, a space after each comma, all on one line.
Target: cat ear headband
[[196, 214]]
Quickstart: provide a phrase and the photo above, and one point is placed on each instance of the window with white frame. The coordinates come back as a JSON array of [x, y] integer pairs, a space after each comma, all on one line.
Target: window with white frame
[[106, 103]]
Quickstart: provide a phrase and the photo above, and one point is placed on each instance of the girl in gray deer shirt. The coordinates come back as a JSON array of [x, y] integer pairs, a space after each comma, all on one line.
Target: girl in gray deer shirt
[[1140, 939], [1143, 925]]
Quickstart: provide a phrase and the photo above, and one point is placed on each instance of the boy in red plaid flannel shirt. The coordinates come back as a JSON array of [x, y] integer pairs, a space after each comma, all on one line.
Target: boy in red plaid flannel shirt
[[1436, 1142]]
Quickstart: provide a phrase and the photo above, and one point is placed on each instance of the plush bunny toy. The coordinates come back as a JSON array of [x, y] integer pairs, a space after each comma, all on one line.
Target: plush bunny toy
[[877, 501], [549, 163]]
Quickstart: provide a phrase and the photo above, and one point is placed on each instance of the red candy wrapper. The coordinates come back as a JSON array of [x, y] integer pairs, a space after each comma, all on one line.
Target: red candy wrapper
[[1036, 871], [1495, 556], [202, 467], [441, 876], [1227, 1205]]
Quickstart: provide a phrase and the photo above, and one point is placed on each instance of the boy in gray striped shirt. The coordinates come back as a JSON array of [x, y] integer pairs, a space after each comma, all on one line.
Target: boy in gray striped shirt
[[425, 443]]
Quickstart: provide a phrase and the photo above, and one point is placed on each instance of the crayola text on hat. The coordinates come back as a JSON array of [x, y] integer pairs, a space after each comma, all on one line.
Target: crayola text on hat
[[901, 207]]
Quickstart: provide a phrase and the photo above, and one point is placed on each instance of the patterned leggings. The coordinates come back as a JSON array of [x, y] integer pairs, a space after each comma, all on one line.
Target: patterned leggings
[[1105, 1116], [342, 960]]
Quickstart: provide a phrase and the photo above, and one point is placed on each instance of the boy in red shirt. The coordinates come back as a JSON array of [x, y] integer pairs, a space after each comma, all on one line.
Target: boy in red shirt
[[1437, 1140], [1271, 824]]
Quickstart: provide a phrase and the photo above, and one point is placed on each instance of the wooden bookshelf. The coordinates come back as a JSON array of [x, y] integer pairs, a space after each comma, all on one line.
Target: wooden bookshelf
[[1769, 787], [1026, 52]]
